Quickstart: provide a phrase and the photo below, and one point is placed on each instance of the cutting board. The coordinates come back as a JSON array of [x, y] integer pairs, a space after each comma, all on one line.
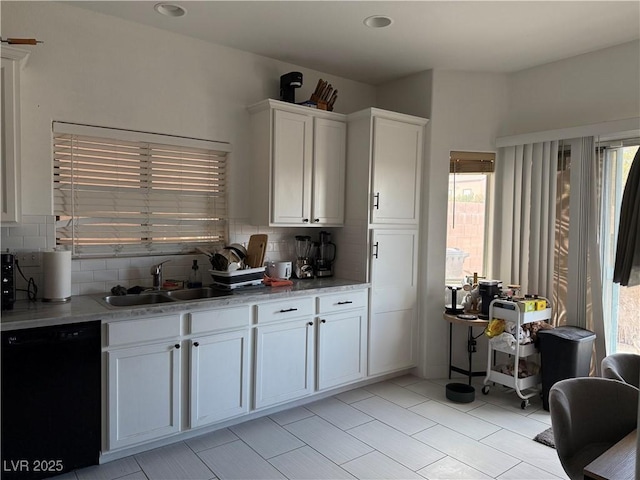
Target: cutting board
[[256, 250]]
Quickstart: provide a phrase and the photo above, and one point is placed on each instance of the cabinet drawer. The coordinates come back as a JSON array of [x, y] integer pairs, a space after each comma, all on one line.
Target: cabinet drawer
[[145, 330], [285, 309], [342, 301], [221, 319]]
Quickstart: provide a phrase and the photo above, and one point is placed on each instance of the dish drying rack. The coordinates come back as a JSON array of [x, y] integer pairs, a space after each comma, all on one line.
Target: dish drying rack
[[511, 311]]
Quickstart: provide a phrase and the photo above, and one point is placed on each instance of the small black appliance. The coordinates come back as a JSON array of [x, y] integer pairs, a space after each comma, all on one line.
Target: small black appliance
[[8, 281], [288, 84], [326, 255], [488, 289]]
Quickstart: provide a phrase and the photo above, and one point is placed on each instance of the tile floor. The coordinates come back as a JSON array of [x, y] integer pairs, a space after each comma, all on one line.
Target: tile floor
[[404, 428]]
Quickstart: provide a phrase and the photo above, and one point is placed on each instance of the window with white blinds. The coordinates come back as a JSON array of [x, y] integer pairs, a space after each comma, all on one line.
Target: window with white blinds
[[125, 192]]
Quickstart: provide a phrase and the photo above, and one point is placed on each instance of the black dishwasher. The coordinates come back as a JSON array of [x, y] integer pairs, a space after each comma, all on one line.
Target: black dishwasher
[[50, 400]]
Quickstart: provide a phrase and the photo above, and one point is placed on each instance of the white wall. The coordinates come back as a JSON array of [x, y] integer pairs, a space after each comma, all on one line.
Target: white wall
[[466, 111], [100, 70], [587, 89]]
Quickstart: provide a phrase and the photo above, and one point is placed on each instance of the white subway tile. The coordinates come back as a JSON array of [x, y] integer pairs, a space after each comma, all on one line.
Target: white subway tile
[[25, 230], [82, 276], [35, 243], [118, 263], [12, 243], [92, 288], [98, 264], [105, 275]]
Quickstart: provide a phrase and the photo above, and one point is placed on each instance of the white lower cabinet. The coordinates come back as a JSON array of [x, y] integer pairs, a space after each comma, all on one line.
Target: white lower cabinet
[[144, 393], [284, 361], [219, 377], [171, 373], [341, 348]]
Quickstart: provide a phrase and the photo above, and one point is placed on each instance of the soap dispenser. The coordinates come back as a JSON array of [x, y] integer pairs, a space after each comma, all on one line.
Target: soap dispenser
[[195, 280]]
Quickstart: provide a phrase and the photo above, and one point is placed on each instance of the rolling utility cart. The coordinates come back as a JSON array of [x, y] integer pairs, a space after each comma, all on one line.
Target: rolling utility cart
[[511, 311]]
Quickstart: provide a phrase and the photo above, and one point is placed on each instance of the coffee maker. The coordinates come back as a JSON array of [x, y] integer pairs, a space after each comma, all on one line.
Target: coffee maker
[[288, 83], [326, 255], [304, 259], [488, 289]]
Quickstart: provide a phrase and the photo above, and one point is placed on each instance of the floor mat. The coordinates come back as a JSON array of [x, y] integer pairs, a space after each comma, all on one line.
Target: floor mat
[[546, 438]]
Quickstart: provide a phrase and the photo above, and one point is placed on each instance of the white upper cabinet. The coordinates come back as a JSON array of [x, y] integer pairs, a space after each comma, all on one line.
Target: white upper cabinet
[[385, 152], [396, 165], [298, 165], [13, 60]]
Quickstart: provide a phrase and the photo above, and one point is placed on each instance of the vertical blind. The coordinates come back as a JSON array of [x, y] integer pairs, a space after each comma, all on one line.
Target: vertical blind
[[124, 192]]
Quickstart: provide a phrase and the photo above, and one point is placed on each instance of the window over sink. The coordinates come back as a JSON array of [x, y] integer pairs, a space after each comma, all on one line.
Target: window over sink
[[126, 192]]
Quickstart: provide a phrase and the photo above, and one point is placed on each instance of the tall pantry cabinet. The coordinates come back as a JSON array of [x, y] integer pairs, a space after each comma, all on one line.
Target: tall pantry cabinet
[[384, 151]]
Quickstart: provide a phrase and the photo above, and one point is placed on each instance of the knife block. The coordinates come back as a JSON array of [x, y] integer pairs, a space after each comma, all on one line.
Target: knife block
[[320, 104]]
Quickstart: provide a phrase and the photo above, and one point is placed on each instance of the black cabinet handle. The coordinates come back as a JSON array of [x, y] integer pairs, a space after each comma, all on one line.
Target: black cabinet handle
[[316, 220], [196, 344], [323, 321], [345, 303], [310, 324], [376, 202], [375, 253], [177, 345], [288, 310], [305, 220]]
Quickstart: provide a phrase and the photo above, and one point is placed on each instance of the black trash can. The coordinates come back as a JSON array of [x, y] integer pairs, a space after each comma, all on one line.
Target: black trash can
[[565, 352]]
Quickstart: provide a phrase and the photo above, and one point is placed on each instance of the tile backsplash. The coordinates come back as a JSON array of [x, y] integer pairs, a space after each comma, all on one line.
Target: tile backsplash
[[36, 233]]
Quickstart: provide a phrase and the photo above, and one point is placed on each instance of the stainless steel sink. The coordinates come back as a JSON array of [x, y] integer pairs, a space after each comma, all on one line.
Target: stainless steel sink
[[151, 298], [197, 293], [135, 300]]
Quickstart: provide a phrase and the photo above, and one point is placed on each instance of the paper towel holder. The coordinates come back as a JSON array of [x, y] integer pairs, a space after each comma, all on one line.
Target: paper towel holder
[[57, 276]]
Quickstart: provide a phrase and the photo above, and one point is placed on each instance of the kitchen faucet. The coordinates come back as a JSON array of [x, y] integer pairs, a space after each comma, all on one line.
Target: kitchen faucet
[[156, 272]]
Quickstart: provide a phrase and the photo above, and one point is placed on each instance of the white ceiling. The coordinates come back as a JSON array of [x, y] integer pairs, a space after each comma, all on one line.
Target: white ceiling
[[329, 36]]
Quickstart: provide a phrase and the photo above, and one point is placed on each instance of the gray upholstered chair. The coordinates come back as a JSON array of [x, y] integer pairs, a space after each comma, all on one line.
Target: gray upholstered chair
[[589, 415], [622, 366]]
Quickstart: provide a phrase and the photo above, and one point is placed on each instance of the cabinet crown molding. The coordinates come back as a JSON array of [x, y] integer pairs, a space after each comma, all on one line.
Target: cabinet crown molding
[[295, 108], [381, 113], [16, 54]]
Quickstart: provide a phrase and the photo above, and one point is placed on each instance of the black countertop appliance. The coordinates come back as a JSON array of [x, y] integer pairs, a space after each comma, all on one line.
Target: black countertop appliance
[[8, 281], [488, 289]]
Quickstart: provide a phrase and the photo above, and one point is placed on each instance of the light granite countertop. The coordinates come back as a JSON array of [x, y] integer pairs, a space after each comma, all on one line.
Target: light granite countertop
[[82, 308]]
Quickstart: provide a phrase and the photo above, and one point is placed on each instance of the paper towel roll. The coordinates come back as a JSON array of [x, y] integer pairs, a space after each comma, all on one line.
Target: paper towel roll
[[56, 268]]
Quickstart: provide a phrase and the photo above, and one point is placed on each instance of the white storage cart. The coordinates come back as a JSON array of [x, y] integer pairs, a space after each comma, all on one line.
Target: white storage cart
[[511, 311]]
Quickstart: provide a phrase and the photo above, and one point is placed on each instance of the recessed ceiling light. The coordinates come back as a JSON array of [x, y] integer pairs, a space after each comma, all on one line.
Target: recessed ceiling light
[[378, 21], [170, 9]]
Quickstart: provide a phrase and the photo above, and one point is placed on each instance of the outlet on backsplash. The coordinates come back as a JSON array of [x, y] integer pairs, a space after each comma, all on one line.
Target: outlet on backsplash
[[29, 259]]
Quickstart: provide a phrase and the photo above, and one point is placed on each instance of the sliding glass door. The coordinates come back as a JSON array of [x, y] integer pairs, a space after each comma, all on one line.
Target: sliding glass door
[[621, 304]]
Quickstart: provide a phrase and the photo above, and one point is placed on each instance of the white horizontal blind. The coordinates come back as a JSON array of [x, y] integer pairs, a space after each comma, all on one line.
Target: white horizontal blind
[[114, 194]]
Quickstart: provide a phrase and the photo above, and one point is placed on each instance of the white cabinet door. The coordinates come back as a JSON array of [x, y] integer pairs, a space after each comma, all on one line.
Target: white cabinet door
[[396, 167], [341, 348], [292, 162], [219, 377], [144, 393], [12, 61], [329, 162], [393, 321], [284, 362], [392, 341]]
